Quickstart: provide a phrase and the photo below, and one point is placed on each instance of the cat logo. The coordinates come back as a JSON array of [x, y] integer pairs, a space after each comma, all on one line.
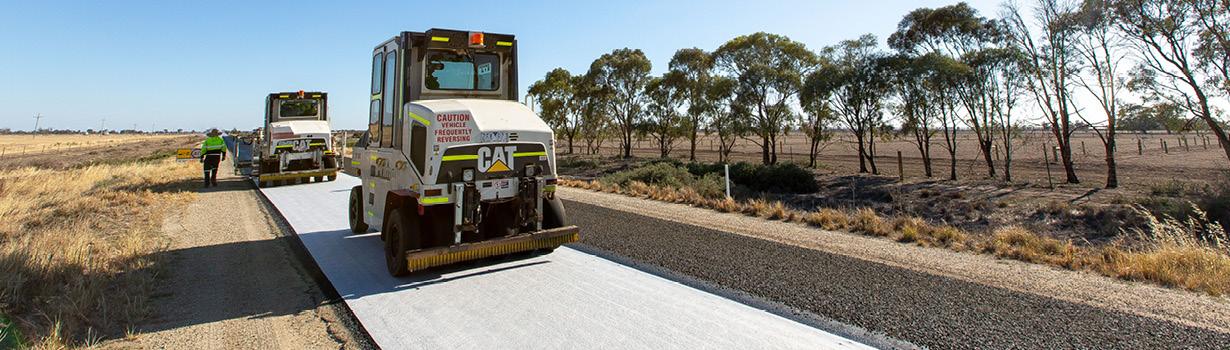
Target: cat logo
[[496, 159]]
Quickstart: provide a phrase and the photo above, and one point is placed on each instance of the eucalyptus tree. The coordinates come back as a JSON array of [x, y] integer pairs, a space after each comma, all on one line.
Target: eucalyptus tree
[[1048, 43], [769, 69], [818, 113], [624, 72], [591, 105], [1182, 44], [1000, 73], [666, 95], [916, 99], [1100, 50], [696, 68], [855, 87], [947, 34], [729, 125], [556, 96]]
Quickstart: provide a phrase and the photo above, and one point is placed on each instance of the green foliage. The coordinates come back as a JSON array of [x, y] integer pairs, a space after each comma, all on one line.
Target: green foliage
[[769, 69], [669, 173], [622, 74], [776, 178]]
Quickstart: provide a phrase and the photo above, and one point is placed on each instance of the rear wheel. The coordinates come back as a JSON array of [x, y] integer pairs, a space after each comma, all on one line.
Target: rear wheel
[[399, 239], [357, 225], [331, 177], [553, 214]]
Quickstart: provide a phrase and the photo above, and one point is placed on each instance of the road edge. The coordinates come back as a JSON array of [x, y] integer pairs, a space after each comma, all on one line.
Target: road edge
[[871, 338], [300, 252]]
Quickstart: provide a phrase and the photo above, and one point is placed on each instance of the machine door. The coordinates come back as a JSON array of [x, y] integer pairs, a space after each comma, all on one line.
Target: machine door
[[384, 156]]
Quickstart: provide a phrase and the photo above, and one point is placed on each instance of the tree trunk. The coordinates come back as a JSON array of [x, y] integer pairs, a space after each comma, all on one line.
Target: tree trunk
[[862, 154], [692, 150], [986, 155], [1112, 174], [811, 158]]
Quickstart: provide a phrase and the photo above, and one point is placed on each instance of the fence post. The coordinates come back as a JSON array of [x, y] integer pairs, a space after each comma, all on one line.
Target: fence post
[[727, 180], [900, 168], [1047, 161], [1186, 146], [1140, 147], [1083, 152], [1206, 142], [1055, 153], [1165, 147]]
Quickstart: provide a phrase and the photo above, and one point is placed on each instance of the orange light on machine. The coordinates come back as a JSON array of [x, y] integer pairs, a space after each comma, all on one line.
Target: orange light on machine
[[300, 93], [476, 39]]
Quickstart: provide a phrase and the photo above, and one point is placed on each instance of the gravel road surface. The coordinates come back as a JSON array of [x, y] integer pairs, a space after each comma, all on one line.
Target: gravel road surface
[[233, 281], [926, 309]]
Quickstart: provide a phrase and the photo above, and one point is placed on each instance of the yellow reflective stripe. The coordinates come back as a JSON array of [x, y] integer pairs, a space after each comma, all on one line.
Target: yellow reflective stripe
[[420, 119], [440, 39], [530, 154], [375, 97], [459, 157], [285, 146], [503, 43], [283, 96], [316, 144], [354, 162], [434, 200], [370, 213], [315, 96]]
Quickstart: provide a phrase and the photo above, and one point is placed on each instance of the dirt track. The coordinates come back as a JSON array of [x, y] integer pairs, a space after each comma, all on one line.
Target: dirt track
[[233, 282]]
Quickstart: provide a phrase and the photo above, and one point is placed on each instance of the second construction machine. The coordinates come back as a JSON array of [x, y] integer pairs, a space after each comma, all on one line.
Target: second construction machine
[[453, 168]]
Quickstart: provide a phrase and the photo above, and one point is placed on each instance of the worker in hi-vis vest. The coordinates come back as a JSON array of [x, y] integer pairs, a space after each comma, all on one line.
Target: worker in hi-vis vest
[[213, 151]]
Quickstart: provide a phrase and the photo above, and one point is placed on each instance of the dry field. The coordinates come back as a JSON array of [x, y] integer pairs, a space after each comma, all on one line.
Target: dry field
[[1196, 162], [67, 151], [80, 241]]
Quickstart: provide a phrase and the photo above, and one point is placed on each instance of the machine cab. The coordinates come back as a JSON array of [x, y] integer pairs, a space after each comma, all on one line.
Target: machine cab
[[432, 65]]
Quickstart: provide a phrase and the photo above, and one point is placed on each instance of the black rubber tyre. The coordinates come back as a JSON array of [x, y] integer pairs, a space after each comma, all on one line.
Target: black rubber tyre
[[357, 225], [553, 214], [331, 177], [399, 239]]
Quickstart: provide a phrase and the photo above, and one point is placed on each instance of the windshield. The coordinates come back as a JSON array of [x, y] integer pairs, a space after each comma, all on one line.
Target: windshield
[[461, 71], [299, 109]]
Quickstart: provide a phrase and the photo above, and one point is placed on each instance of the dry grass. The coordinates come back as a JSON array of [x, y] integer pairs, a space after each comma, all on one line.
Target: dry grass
[[78, 248], [828, 219], [867, 222], [1193, 255]]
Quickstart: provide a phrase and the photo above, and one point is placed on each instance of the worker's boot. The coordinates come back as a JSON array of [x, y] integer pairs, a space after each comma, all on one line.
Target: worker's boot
[[206, 178]]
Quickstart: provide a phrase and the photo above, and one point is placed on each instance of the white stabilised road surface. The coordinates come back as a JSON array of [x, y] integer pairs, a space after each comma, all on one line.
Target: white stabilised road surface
[[564, 300]]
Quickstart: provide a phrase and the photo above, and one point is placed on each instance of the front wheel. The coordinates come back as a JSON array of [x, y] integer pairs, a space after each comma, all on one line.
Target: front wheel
[[331, 177], [399, 239], [357, 225]]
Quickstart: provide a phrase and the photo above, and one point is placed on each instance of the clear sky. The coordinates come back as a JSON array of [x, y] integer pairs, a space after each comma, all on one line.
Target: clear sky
[[195, 65]]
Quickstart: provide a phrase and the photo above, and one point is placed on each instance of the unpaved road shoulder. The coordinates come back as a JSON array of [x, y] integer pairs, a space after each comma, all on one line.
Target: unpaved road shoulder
[[930, 297], [233, 282]]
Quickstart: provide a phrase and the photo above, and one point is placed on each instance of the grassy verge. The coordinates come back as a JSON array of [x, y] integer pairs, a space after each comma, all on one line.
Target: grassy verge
[[79, 248], [10, 338], [1192, 254]]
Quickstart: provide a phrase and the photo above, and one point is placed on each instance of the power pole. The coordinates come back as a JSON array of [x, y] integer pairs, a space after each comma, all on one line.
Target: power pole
[[37, 118], [102, 126]]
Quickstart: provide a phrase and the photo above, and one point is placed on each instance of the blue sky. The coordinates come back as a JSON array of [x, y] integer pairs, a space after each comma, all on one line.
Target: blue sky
[[195, 65]]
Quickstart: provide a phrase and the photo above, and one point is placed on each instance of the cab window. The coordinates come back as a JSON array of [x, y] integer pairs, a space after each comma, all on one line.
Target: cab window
[[390, 76], [373, 125], [299, 109], [462, 71]]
